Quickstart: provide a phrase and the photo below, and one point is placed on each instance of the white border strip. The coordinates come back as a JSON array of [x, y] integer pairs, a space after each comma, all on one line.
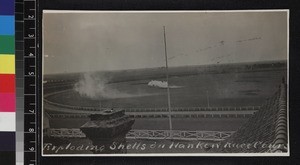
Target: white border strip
[[157, 11], [288, 82], [175, 154]]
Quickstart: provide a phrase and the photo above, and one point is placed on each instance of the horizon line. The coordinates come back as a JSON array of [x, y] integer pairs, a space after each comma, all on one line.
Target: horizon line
[[212, 64]]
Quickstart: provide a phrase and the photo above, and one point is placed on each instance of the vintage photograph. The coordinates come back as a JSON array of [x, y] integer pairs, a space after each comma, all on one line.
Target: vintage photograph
[[165, 83]]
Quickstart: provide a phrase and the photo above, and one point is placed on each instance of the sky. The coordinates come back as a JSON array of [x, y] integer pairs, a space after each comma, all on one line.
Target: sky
[[98, 41]]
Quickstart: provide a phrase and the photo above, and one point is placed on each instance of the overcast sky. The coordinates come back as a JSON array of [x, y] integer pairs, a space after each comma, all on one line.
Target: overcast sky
[[79, 42]]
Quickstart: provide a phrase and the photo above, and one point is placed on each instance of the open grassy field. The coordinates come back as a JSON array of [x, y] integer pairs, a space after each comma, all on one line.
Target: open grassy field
[[226, 85], [222, 89]]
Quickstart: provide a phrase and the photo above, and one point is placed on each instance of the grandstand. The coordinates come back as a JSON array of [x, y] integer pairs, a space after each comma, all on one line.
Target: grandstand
[[265, 132]]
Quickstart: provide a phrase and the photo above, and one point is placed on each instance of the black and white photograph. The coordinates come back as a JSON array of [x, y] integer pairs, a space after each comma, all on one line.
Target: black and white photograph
[[165, 83]]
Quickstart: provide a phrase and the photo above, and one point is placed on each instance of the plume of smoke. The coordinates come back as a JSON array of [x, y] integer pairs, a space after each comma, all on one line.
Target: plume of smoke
[[95, 86], [161, 84]]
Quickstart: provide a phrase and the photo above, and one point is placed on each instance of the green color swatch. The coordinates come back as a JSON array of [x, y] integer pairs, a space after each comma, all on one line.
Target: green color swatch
[[7, 44]]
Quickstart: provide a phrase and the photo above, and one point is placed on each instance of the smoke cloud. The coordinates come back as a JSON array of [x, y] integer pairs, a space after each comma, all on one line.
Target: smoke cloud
[[96, 86], [162, 84]]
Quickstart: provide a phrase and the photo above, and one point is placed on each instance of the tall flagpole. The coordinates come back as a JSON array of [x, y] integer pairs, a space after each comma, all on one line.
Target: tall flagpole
[[168, 88]]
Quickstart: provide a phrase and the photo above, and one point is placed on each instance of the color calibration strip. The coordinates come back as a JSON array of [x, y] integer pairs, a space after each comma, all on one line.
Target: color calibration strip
[[7, 82]]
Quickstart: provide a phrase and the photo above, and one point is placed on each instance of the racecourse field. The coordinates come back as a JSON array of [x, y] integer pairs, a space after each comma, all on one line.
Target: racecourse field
[[226, 86], [215, 90]]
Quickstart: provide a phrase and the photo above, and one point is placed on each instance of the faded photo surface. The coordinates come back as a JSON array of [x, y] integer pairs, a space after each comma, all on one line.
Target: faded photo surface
[[200, 83]]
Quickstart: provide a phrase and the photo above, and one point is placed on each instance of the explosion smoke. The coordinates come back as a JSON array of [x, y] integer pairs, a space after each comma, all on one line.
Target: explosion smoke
[[96, 86]]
